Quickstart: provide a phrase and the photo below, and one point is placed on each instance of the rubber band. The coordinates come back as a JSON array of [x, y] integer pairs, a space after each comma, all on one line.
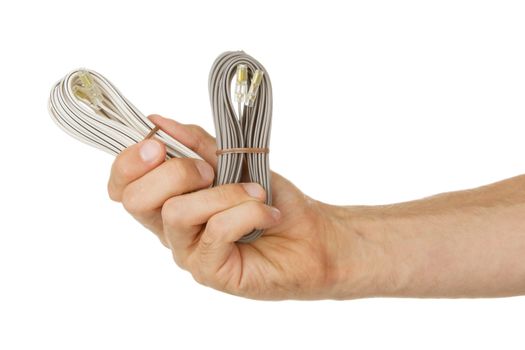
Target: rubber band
[[152, 132], [242, 150]]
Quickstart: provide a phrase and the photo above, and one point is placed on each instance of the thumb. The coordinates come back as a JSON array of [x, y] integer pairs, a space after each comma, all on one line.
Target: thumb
[[192, 136], [132, 163]]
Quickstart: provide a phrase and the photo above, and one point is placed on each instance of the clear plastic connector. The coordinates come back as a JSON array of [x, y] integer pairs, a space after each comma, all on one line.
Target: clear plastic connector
[[254, 87], [241, 84], [87, 89]]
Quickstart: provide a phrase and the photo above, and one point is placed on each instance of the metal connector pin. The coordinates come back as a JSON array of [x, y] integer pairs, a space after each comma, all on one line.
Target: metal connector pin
[[241, 84], [88, 90], [254, 87]]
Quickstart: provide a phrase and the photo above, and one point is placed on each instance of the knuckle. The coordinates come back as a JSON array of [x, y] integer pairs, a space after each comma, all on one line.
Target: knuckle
[[177, 259], [241, 192], [231, 193], [130, 201], [201, 271], [196, 128], [199, 276], [199, 134], [179, 170], [171, 212], [224, 192], [214, 228], [122, 170], [258, 209]]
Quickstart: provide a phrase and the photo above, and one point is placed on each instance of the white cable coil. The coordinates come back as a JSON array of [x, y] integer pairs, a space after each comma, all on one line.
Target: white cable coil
[[106, 119], [91, 109]]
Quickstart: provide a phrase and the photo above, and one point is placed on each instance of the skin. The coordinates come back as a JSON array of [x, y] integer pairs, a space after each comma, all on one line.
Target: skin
[[463, 244]]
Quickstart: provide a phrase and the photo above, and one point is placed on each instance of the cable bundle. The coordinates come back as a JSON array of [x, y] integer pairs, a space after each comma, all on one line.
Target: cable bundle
[[244, 134], [91, 109]]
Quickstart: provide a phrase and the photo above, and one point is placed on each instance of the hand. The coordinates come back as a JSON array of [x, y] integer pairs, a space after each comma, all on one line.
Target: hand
[[308, 250]]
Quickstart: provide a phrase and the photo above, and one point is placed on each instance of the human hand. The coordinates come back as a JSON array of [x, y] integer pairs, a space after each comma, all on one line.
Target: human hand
[[309, 250]]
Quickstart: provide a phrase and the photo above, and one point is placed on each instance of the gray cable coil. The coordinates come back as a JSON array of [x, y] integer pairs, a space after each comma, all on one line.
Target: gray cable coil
[[250, 130], [105, 119]]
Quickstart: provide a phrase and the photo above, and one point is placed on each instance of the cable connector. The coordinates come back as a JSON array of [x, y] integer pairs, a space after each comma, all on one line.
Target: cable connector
[[254, 87], [241, 84], [88, 90]]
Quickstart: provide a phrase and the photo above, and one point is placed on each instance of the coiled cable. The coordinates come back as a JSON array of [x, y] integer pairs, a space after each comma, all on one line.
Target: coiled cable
[[242, 136], [90, 108]]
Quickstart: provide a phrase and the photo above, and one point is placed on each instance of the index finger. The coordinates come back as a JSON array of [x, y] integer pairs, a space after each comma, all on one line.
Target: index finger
[[192, 136]]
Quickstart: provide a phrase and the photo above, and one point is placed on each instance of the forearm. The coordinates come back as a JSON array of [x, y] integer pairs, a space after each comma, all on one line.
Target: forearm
[[461, 244]]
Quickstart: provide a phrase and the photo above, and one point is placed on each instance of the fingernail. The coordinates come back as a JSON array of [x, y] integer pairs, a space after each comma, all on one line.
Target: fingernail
[[205, 170], [254, 190], [276, 213], [149, 150]]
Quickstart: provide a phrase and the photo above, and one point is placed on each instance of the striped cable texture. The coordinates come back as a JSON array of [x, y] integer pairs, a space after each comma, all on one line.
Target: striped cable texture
[[239, 125], [90, 108]]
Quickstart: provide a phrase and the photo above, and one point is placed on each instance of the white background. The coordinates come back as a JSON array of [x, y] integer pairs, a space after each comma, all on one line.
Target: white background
[[375, 102]]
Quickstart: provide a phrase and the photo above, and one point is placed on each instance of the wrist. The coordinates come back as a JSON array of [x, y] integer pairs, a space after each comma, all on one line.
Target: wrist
[[361, 254]]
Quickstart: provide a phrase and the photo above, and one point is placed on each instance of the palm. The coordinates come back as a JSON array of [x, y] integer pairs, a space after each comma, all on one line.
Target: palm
[[286, 257]]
